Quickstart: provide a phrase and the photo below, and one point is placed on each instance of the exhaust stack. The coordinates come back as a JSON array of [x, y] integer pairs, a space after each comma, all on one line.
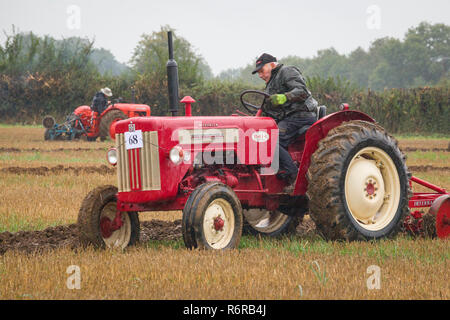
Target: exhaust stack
[[172, 78]]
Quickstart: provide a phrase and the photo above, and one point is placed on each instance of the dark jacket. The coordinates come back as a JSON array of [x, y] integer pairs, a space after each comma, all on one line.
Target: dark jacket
[[99, 102], [289, 81]]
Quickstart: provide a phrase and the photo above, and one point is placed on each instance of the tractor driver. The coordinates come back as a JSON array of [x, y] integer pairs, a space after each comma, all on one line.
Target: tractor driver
[[290, 104], [100, 102]]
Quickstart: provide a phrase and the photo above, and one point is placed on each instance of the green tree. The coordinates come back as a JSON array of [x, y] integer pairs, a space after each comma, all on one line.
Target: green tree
[[106, 62], [429, 51], [149, 62], [151, 55], [388, 56]]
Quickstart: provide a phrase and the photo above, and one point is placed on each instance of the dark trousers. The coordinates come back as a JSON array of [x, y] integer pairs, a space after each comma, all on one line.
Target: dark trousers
[[288, 132]]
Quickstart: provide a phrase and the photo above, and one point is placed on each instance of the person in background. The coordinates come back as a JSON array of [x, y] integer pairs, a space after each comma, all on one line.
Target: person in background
[[100, 100]]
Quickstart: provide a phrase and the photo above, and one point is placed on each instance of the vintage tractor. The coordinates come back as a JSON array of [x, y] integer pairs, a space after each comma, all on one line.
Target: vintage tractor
[[85, 122], [221, 171]]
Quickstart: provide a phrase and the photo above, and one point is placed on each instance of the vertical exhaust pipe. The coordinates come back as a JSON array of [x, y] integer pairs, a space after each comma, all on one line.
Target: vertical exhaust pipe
[[172, 78]]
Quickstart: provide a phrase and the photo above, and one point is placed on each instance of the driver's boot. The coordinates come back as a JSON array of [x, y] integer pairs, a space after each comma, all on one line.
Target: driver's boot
[[290, 184]]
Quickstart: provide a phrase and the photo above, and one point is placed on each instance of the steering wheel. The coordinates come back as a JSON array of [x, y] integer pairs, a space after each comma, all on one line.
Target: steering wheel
[[253, 109]]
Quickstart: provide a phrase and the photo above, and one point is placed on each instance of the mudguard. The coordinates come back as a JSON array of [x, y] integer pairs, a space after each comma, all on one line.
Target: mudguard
[[317, 132]]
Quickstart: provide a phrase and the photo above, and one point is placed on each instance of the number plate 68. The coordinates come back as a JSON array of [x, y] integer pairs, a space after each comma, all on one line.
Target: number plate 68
[[133, 140]]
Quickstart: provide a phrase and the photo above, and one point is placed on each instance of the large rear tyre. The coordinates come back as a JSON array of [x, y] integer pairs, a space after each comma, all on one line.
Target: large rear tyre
[[269, 223], [212, 218], [358, 183], [96, 215], [107, 120]]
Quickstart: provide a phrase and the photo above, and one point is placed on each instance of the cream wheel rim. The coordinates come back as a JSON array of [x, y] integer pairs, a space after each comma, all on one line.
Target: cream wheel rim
[[372, 188], [120, 237], [218, 224], [265, 221]]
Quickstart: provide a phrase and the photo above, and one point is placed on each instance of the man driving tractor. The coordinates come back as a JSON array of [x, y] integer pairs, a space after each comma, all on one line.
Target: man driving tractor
[[290, 104], [100, 100]]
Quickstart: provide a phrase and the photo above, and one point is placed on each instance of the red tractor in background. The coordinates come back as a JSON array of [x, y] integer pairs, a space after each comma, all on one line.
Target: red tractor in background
[[85, 122], [221, 171]]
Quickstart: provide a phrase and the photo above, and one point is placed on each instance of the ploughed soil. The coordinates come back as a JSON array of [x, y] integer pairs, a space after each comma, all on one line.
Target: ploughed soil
[[41, 171], [413, 149], [427, 168], [405, 149], [49, 150], [67, 236], [104, 169]]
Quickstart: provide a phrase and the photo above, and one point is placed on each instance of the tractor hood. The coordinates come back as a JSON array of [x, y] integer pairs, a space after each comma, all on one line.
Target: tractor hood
[[252, 138], [155, 153]]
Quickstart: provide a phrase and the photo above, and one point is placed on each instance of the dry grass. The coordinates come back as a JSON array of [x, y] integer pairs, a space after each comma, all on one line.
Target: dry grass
[[409, 270], [260, 269]]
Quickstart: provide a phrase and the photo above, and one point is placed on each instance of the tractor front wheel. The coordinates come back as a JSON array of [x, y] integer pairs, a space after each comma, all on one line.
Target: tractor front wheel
[[107, 120], [358, 183], [212, 218], [96, 217]]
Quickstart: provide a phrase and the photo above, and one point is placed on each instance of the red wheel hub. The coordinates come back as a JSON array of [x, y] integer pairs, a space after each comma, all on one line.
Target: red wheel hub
[[370, 188], [218, 223], [106, 227]]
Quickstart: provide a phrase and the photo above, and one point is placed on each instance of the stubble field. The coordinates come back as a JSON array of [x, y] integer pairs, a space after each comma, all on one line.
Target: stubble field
[[43, 183]]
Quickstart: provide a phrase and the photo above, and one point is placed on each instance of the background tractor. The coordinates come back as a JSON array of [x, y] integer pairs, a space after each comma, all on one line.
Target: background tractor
[[221, 171], [85, 122]]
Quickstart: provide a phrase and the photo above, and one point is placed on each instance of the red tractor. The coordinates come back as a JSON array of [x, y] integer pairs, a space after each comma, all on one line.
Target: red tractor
[[221, 171], [85, 122]]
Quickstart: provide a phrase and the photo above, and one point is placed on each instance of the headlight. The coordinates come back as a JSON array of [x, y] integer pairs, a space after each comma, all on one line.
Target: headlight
[[176, 155], [111, 156]]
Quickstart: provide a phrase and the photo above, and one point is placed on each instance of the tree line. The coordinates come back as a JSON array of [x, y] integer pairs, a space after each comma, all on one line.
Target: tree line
[[421, 59], [41, 75]]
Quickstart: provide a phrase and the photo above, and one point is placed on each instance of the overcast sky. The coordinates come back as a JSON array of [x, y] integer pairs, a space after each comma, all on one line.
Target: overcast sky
[[228, 33]]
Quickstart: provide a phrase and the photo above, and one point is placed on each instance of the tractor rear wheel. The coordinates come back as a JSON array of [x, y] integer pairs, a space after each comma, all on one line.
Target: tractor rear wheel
[[107, 120], [96, 215], [358, 183], [269, 223], [212, 218]]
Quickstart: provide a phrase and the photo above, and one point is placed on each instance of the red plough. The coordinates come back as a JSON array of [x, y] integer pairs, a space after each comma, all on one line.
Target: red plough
[[439, 204]]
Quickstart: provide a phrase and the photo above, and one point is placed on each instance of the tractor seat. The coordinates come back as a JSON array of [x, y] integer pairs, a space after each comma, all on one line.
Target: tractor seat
[[321, 112]]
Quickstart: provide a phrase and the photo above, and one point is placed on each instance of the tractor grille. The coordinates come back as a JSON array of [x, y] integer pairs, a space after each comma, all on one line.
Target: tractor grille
[[138, 169]]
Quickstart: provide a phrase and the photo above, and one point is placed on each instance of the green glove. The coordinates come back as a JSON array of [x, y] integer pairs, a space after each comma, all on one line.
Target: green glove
[[278, 99]]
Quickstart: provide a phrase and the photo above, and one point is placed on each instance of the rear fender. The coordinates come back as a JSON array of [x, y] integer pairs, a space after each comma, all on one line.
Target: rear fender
[[130, 110], [317, 132]]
